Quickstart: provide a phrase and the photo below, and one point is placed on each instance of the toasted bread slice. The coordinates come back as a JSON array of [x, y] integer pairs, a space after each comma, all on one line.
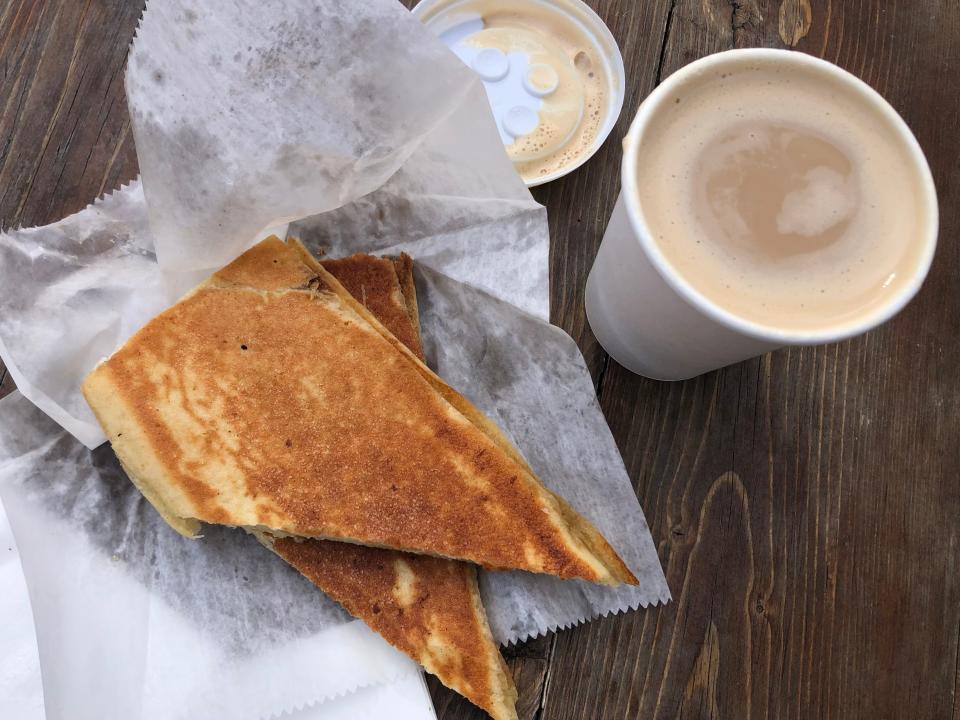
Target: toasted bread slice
[[403, 266], [270, 398], [385, 288], [427, 607]]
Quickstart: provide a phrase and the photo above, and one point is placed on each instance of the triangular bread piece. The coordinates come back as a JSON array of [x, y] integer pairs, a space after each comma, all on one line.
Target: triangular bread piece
[[427, 607], [385, 288], [269, 398]]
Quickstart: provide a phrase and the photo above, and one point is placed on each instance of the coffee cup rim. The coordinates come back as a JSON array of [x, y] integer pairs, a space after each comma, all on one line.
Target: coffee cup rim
[[769, 333]]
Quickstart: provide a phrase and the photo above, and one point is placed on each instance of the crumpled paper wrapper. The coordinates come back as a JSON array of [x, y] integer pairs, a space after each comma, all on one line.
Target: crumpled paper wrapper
[[246, 115], [21, 695]]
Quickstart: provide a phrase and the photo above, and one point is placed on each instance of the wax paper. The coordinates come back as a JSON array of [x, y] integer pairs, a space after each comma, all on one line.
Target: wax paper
[[21, 695], [247, 114]]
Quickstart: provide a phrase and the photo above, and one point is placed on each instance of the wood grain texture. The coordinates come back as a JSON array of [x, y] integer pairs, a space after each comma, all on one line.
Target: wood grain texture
[[64, 130], [806, 505]]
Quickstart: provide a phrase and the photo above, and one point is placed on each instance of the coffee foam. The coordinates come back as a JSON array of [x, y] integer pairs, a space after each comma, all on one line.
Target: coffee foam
[[864, 232]]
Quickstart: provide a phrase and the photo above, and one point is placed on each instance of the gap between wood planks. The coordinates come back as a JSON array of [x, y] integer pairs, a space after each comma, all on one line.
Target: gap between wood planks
[[548, 673], [663, 43], [956, 682]]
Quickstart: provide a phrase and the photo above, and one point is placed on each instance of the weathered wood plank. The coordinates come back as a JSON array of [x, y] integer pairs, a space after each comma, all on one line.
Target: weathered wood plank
[[805, 504], [64, 130]]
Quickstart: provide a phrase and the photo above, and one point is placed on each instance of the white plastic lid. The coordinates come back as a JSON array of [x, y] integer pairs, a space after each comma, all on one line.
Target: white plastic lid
[[552, 71]]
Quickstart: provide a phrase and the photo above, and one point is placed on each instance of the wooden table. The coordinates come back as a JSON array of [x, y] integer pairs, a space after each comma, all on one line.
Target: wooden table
[[806, 504]]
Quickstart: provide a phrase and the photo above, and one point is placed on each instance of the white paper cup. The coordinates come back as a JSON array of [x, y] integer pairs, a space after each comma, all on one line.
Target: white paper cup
[[651, 320]]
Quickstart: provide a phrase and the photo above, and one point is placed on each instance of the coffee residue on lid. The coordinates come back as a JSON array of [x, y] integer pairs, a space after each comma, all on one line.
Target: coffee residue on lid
[[546, 80]]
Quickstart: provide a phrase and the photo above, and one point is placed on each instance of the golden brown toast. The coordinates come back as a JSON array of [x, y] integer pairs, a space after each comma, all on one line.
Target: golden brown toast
[[385, 287], [427, 607], [269, 398]]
